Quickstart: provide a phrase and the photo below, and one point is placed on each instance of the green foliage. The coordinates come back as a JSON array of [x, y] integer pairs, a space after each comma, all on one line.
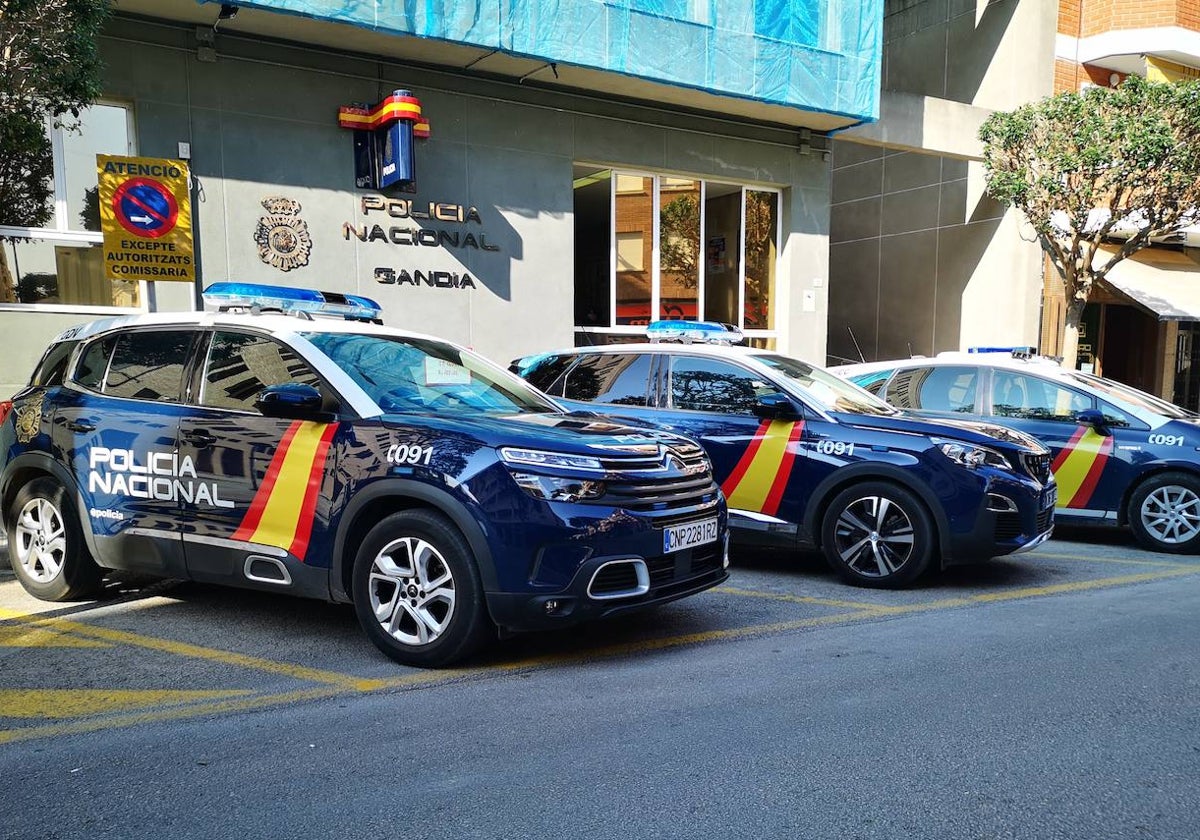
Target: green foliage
[[26, 167], [679, 240], [1083, 166]]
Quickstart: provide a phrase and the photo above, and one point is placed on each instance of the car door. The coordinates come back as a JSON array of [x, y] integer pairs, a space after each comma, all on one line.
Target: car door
[[1093, 466], [257, 479], [117, 426]]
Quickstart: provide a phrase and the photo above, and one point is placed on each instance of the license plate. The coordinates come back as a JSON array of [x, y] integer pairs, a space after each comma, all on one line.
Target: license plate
[[1050, 496], [686, 536]]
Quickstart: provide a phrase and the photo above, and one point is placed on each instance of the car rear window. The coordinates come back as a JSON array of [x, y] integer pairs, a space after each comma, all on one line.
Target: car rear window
[[53, 366]]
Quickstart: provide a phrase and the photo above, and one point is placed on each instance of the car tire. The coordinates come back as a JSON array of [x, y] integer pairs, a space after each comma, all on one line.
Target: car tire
[[1164, 513], [46, 546], [417, 590], [904, 535]]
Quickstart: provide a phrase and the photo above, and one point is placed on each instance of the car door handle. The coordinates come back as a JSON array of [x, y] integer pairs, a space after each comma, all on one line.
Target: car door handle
[[83, 426], [199, 438]]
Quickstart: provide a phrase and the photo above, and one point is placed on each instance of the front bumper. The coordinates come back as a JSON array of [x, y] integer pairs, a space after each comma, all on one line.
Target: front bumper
[[996, 533], [667, 577]]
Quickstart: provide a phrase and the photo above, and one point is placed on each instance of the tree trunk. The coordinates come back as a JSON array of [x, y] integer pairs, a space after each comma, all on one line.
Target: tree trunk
[[8, 285], [1070, 348]]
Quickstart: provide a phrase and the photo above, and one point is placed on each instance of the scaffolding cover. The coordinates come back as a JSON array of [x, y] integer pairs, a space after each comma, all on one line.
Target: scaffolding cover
[[820, 55]]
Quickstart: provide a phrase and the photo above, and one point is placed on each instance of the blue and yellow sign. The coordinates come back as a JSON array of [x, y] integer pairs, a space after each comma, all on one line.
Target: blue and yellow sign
[[146, 217]]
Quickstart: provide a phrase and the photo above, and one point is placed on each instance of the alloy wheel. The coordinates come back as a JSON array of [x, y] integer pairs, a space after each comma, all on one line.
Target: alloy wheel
[[874, 536], [41, 540], [1171, 514], [412, 591]]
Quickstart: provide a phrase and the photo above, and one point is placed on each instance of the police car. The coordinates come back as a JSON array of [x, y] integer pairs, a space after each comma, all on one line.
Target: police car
[[343, 460], [806, 459], [1121, 456]]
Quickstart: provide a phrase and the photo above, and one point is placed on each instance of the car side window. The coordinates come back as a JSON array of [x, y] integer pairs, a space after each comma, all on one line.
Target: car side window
[[92, 366], [1033, 398], [53, 366], [703, 384], [1114, 416], [610, 378], [949, 389], [149, 365], [872, 382], [239, 365], [545, 374]]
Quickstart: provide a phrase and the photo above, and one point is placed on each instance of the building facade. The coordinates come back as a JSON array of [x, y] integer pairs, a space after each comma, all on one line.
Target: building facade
[[578, 179]]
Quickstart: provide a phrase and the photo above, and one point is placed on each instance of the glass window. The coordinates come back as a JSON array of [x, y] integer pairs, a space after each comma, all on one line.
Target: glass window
[[722, 245], [240, 365], [53, 366], [948, 389], [102, 130], [679, 247], [702, 384], [872, 382], [64, 272], [823, 388], [94, 363], [1032, 398], [1116, 417], [635, 241], [403, 374], [544, 373], [610, 378], [762, 253], [149, 365]]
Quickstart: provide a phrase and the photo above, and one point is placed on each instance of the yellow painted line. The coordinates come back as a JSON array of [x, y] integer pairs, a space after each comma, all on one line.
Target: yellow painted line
[[81, 702], [798, 599], [1166, 564], [37, 637], [238, 660]]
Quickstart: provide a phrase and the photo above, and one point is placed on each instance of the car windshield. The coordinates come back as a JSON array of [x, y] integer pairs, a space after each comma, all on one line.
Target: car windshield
[[405, 374], [1132, 396], [830, 392]]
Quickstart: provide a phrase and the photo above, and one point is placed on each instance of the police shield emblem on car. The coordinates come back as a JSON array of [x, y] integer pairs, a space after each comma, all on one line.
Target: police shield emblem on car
[[289, 442]]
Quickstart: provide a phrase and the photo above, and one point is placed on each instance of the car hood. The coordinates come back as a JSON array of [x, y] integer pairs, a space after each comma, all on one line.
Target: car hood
[[968, 431], [577, 432]]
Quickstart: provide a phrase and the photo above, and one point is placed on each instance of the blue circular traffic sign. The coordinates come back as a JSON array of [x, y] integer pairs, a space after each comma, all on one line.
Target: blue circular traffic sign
[[145, 207]]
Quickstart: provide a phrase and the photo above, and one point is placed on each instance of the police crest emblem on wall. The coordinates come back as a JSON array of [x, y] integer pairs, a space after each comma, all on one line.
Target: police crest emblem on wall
[[282, 236]]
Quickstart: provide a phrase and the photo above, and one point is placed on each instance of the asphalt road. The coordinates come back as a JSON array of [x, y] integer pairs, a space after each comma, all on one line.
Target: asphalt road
[[1053, 695]]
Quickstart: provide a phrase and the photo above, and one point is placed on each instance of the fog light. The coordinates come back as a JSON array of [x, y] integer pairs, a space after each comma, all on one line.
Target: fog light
[[551, 607]]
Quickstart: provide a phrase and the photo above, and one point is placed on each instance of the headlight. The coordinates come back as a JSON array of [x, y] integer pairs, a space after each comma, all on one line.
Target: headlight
[[536, 457], [554, 489], [970, 455]]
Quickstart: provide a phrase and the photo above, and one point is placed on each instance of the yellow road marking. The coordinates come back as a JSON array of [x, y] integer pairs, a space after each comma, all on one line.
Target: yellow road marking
[[80, 702], [347, 685], [37, 637], [796, 599], [1119, 561], [225, 657]]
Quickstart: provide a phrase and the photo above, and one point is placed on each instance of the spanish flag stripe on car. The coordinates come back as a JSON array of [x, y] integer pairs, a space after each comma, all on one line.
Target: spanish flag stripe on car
[[1078, 466], [282, 510], [758, 480]]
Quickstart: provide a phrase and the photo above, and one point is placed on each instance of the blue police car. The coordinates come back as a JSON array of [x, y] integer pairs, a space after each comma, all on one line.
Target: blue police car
[[806, 459], [343, 460], [1122, 457]]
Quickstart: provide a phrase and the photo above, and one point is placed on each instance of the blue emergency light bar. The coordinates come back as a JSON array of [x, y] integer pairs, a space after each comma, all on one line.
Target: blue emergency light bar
[[262, 297], [1020, 351], [700, 332]]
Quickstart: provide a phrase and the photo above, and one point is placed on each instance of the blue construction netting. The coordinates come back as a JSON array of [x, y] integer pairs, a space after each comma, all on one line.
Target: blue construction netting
[[812, 54]]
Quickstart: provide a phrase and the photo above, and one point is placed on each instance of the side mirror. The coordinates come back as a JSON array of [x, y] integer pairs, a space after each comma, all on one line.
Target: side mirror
[[1093, 417], [774, 407], [291, 401]]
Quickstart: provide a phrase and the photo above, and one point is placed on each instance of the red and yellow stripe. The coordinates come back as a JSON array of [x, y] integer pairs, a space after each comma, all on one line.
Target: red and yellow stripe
[[388, 111], [1078, 466], [282, 511], [760, 477]]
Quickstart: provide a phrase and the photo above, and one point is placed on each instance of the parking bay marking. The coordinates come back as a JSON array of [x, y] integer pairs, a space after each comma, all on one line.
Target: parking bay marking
[[348, 685]]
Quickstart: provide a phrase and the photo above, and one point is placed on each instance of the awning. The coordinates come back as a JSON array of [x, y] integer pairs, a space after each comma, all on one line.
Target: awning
[[1165, 283]]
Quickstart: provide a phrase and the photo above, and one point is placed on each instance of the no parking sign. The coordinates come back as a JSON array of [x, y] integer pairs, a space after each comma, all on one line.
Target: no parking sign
[[146, 216]]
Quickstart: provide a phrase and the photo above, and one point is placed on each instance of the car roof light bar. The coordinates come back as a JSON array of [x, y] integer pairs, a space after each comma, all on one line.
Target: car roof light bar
[[1023, 351], [260, 297], [700, 332]]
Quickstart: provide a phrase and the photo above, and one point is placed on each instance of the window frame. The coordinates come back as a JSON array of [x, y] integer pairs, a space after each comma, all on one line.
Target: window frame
[[60, 229], [186, 378], [666, 375], [657, 178]]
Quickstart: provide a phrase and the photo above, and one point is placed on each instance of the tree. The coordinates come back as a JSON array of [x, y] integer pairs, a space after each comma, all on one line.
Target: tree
[[1093, 166], [49, 69]]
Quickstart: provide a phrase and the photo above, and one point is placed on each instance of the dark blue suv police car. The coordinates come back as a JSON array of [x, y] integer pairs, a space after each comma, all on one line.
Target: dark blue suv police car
[[809, 460], [343, 460]]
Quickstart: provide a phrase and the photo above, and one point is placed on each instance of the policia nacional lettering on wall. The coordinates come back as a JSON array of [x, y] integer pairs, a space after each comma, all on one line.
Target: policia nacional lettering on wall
[[417, 236]]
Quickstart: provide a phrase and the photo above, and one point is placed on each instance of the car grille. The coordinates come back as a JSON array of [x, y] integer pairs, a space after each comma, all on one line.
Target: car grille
[[615, 577], [1036, 466], [1008, 525], [675, 483], [678, 570]]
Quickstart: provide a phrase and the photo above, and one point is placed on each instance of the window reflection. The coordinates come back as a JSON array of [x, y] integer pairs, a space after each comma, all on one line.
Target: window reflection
[[722, 243], [46, 271], [762, 214], [635, 239], [679, 248], [102, 130]]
